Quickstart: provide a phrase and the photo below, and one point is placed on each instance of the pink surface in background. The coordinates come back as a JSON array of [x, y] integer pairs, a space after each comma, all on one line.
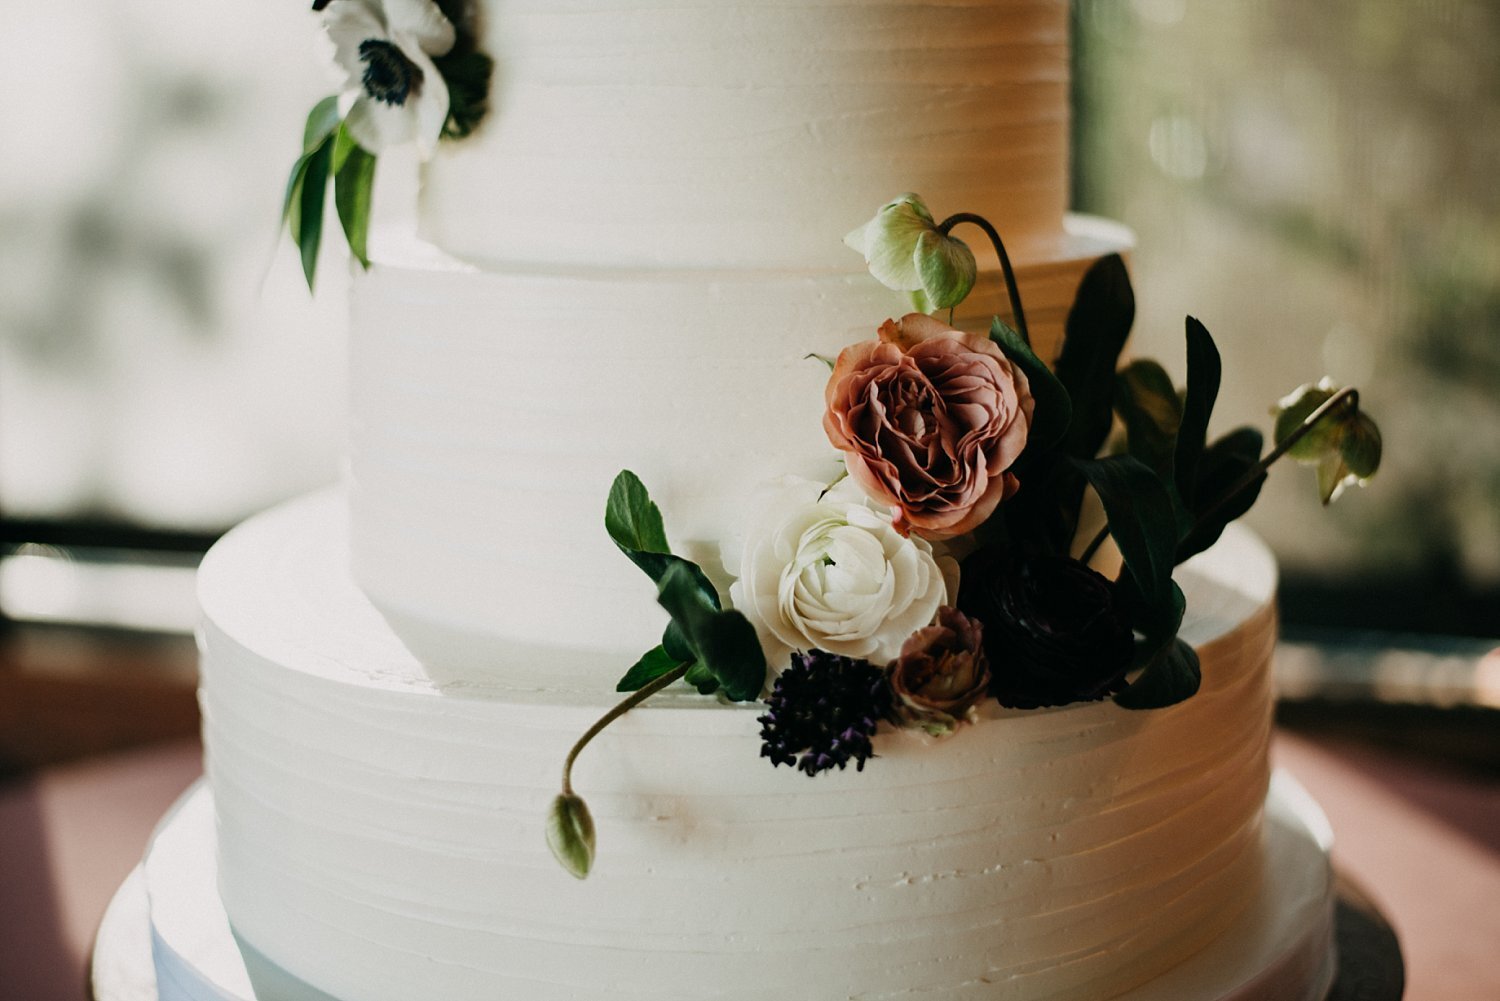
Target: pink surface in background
[[1423, 843]]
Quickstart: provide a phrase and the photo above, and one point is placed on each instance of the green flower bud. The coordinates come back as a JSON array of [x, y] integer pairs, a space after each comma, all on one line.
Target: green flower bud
[[947, 268], [906, 253], [1344, 444], [1360, 447], [570, 834], [1296, 407]]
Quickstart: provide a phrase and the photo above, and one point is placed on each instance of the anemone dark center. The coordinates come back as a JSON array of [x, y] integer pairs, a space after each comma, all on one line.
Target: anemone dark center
[[389, 75]]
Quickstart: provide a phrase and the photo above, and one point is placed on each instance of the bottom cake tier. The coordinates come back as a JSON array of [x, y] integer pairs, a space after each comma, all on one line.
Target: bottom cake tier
[[380, 833], [166, 937]]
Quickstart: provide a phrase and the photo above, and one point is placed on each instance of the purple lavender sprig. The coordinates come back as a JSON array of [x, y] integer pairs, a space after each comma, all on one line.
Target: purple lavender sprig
[[825, 708]]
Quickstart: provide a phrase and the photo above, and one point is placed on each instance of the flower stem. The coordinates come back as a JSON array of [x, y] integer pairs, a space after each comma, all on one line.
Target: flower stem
[[1011, 288], [628, 703], [1343, 397], [1349, 397]]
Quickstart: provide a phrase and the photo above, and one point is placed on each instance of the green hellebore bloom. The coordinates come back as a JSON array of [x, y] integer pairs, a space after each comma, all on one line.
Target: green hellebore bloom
[[906, 253], [1345, 445]]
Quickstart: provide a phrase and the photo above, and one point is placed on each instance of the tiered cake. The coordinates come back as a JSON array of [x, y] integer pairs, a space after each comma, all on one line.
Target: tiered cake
[[627, 266]]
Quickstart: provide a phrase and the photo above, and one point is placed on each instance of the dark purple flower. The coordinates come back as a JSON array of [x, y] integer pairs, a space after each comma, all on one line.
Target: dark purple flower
[[825, 708], [1054, 629]]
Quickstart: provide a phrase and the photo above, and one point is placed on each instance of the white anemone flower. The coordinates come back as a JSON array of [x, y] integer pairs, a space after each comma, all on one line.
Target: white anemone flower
[[386, 48]]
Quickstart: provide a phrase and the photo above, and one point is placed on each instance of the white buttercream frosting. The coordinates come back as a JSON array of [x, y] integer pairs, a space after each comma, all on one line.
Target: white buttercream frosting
[[745, 134], [381, 830]]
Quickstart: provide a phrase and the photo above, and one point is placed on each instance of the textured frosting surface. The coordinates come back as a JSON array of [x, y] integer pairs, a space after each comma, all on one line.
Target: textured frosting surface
[[710, 133], [492, 409], [380, 830]]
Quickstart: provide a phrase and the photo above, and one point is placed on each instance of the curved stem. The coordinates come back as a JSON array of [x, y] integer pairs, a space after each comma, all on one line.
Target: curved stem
[[1349, 396], [1011, 288], [1094, 544], [630, 702]]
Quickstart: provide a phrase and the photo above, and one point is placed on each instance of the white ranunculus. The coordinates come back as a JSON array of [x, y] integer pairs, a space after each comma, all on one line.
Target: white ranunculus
[[832, 573], [385, 49]]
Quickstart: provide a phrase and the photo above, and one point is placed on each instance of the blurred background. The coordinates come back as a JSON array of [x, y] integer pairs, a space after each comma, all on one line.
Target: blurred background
[[1314, 181]]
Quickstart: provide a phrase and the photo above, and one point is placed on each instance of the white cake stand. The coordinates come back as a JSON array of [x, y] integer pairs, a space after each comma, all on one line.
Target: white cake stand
[[165, 936]]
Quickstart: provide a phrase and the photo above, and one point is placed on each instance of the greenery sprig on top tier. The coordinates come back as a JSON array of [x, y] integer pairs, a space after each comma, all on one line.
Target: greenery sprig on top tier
[[413, 75]]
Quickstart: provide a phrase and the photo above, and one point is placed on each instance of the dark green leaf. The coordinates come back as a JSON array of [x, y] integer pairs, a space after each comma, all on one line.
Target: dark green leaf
[[289, 205], [1098, 326], [1054, 410], [352, 186], [1148, 405], [310, 207], [634, 523], [701, 678], [1141, 520], [467, 73], [676, 644], [1223, 465], [321, 122], [725, 641], [570, 834], [1169, 677], [632, 518], [1204, 372], [652, 665], [1168, 667]]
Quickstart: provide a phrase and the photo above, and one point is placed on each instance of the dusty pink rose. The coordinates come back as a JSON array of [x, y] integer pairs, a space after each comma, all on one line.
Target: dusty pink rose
[[941, 675], [930, 420]]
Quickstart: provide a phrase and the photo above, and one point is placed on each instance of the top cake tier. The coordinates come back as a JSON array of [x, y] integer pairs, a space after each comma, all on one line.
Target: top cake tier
[[713, 133]]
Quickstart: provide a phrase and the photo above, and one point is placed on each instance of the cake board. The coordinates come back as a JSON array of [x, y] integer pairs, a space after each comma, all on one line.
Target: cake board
[[167, 916]]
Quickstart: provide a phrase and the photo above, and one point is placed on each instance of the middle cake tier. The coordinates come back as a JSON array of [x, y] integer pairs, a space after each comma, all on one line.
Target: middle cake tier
[[492, 410]]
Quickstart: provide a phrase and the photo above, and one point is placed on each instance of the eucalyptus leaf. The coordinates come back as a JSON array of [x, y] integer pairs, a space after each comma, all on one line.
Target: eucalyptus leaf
[[570, 834], [725, 641], [1054, 409], [314, 189], [353, 183], [652, 665], [1142, 521], [1097, 328], [1223, 465], [1205, 370], [1148, 405]]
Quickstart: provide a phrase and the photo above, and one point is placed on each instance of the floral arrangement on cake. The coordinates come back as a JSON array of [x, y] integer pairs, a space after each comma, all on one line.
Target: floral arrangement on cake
[[953, 563], [412, 75]]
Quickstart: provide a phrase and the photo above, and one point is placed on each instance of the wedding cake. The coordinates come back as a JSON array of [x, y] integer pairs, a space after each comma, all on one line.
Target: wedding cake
[[637, 260]]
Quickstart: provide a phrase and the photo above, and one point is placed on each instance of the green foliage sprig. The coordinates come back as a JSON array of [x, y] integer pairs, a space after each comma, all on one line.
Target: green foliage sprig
[[713, 648], [1167, 490], [329, 153]]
